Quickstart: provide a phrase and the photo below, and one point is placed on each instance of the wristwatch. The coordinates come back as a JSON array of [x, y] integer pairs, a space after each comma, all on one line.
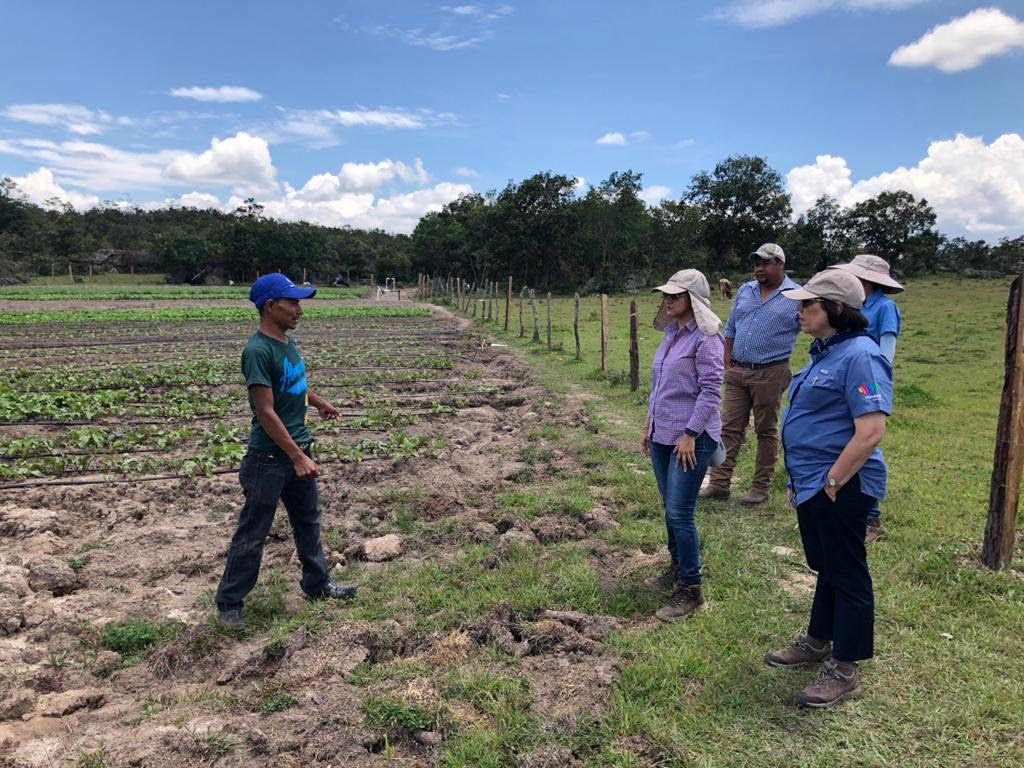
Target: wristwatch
[[831, 482]]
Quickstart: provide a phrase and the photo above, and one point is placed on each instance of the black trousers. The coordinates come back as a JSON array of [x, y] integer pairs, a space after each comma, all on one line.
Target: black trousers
[[843, 609]]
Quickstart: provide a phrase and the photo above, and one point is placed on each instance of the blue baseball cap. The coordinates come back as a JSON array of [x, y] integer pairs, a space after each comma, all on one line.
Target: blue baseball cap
[[277, 286]]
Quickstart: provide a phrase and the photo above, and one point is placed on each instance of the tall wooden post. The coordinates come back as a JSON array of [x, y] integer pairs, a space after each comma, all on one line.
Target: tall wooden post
[[71, 275], [303, 275], [549, 321], [1004, 494], [576, 324], [508, 302], [604, 332], [522, 328], [536, 316], [634, 350]]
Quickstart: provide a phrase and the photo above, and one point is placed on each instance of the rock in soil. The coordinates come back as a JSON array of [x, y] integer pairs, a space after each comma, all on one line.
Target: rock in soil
[[51, 574], [61, 704], [11, 616], [382, 548], [16, 703]]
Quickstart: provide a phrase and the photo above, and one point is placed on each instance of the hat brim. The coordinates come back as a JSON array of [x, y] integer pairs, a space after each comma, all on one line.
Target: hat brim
[[884, 282], [799, 294], [669, 288], [297, 292]]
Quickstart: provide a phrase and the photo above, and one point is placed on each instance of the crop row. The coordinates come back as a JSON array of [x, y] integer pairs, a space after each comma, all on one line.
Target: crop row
[[193, 314], [149, 292]]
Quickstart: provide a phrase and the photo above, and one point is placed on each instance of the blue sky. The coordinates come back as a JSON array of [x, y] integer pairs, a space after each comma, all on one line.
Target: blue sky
[[371, 113]]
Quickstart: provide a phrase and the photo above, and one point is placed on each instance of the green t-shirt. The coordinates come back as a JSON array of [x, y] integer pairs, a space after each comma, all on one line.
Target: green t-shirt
[[271, 363]]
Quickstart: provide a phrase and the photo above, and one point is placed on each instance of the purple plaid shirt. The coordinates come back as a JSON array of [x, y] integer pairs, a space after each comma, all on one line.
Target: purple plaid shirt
[[686, 384]]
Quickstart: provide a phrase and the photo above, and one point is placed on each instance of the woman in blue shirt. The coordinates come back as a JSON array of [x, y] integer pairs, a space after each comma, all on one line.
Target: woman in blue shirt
[[830, 435], [883, 326]]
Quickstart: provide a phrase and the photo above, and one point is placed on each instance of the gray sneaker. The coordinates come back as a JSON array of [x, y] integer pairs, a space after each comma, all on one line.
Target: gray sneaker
[[664, 581], [798, 653], [335, 591]]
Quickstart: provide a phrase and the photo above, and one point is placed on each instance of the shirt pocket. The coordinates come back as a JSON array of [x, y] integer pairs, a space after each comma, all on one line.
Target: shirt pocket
[[820, 390]]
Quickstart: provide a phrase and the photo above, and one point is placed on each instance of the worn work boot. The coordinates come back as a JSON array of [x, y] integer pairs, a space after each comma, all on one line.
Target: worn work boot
[[230, 617], [713, 492], [801, 651], [334, 591], [664, 581], [755, 496], [685, 602], [831, 686], [875, 530]]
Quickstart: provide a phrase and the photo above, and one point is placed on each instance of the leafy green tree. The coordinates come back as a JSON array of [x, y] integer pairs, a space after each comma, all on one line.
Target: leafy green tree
[[899, 228], [743, 204]]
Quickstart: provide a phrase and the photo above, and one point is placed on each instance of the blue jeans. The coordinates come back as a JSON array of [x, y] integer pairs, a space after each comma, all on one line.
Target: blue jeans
[[678, 489], [266, 478]]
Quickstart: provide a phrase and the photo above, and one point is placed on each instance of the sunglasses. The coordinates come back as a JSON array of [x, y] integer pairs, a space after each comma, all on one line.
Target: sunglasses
[[805, 303]]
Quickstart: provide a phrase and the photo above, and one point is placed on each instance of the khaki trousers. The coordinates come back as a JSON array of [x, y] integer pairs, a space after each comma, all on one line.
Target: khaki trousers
[[758, 390]]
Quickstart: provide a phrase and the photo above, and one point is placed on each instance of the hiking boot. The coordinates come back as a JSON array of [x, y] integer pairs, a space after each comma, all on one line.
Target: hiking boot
[[830, 687], [664, 581], [230, 617], [713, 492], [334, 591], [875, 530], [685, 602], [755, 496], [798, 653]]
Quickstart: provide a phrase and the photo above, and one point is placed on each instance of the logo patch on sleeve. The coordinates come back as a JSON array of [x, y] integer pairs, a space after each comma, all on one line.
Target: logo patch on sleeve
[[868, 389]]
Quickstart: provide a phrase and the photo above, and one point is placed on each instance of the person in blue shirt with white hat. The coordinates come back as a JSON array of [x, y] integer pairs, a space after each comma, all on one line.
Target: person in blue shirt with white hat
[[831, 430], [883, 326], [279, 464]]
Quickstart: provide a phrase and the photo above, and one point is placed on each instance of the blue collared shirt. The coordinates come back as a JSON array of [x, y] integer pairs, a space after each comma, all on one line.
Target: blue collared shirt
[[762, 331], [845, 381], [883, 316]]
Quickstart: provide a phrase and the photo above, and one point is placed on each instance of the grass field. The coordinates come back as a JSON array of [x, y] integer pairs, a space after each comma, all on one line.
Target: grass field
[[946, 687], [947, 684]]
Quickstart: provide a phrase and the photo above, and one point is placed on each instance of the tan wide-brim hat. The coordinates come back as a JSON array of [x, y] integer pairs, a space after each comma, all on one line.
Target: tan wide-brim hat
[[693, 282], [836, 284], [872, 268]]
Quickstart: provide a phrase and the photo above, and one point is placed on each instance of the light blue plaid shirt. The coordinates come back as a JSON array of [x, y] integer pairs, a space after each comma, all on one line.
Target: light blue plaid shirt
[[762, 331]]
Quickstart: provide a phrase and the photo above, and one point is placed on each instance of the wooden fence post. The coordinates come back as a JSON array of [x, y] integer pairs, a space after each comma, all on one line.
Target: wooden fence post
[[508, 302], [576, 324], [1004, 493], [549, 321], [522, 328], [604, 332], [536, 316], [634, 350], [71, 275]]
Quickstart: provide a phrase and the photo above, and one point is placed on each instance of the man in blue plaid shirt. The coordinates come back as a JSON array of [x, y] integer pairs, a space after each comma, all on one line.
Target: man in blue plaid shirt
[[759, 338]]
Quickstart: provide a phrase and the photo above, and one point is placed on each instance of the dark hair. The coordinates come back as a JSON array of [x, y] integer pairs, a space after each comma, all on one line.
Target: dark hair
[[847, 319]]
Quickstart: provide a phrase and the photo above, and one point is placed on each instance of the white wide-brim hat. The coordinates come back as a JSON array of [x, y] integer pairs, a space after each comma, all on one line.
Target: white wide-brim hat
[[693, 282], [835, 284], [872, 268]]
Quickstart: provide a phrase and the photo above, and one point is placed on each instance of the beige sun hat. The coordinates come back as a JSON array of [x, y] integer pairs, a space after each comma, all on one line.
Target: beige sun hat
[[836, 284], [770, 251], [693, 282], [872, 268]]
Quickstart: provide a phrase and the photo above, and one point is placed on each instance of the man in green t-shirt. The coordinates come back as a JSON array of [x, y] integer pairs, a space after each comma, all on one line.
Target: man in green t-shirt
[[279, 463]]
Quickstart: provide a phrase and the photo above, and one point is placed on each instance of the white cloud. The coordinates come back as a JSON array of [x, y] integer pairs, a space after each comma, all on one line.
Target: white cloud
[[437, 41], [963, 43], [684, 143], [975, 188], [464, 171], [74, 118], [195, 200], [361, 177], [615, 139], [398, 213], [94, 166], [771, 13], [503, 97], [225, 93], [40, 187], [240, 160], [466, 26], [318, 127], [654, 194], [640, 135]]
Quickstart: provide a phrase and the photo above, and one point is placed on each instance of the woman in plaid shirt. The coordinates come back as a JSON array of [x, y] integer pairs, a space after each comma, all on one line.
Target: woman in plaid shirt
[[683, 427]]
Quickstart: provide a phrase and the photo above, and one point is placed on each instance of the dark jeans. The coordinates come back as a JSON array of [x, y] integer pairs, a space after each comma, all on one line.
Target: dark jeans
[[678, 489], [266, 478], [843, 609]]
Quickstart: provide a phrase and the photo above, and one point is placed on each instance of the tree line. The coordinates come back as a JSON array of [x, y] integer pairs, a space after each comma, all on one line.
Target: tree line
[[540, 230]]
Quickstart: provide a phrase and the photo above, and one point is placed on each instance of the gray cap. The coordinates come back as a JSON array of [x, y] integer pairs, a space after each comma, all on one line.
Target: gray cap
[[836, 284], [770, 251], [693, 282], [872, 268]]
